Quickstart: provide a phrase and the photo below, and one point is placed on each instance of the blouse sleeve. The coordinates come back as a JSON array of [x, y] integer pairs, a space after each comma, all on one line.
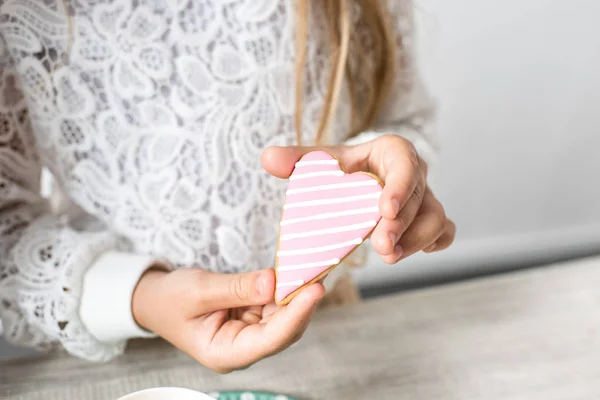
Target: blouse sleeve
[[59, 286]]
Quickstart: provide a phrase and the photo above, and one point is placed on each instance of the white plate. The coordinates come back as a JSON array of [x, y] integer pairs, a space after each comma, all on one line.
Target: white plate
[[166, 393]]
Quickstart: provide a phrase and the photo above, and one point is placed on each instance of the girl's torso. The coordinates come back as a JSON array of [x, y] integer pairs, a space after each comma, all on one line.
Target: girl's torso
[[152, 115]]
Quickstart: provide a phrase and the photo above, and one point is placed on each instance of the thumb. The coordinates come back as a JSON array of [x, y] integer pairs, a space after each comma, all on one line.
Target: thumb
[[224, 291], [280, 161]]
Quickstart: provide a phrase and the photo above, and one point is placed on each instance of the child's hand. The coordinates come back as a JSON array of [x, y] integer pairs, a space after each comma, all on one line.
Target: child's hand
[[224, 321], [413, 219]]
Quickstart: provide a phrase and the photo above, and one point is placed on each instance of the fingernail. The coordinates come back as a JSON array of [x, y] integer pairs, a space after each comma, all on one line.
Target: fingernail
[[261, 283], [431, 248], [398, 250], [393, 238], [396, 205]]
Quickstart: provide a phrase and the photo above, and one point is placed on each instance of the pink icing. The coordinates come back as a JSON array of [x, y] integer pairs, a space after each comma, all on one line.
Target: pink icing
[[326, 215]]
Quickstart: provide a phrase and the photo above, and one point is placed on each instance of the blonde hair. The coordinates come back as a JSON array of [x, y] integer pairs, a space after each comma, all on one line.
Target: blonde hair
[[368, 72]]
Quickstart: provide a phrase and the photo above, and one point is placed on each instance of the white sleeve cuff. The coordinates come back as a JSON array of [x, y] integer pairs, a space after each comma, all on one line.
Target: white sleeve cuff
[[107, 292]]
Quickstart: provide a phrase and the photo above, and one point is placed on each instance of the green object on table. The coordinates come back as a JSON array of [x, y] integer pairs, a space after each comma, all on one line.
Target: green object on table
[[249, 395]]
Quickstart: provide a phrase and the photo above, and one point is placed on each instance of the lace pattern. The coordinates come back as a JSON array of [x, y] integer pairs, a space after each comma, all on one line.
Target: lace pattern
[[151, 115]]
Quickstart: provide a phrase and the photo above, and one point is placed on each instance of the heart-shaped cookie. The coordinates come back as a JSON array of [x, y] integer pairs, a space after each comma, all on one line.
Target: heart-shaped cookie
[[327, 214]]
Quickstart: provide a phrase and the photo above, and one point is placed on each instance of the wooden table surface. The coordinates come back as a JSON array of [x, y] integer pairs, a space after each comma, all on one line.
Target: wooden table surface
[[528, 335]]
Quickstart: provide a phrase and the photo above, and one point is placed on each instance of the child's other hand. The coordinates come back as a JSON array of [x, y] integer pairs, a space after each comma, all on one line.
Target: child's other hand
[[413, 219], [224, 321]]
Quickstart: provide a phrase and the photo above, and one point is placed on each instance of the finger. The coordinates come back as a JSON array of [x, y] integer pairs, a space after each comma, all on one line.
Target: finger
[[408, 213], [270, 309], [280, 161], [418, 237], [385, 236], [387, 233], [425, 230], [424, 167], [445, 240], [255, 342], [284, 325], [249, 315], [217, 337], [298, 335], [224, 291]]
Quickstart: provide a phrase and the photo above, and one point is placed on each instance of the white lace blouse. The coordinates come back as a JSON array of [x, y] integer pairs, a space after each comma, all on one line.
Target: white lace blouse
[[151, 116]]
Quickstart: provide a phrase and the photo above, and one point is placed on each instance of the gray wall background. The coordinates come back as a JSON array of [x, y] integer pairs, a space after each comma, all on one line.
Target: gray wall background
[[518, 83]]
